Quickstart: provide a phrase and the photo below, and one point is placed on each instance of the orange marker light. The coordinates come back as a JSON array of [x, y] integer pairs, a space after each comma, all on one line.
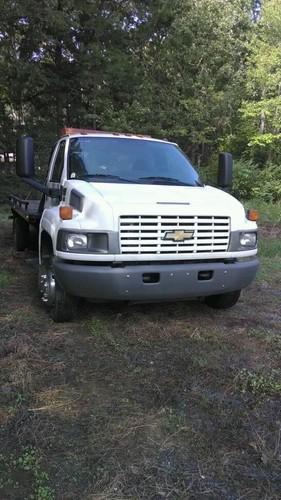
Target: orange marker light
[[66, 213], [253, 215], [85, 131], [71, 131]]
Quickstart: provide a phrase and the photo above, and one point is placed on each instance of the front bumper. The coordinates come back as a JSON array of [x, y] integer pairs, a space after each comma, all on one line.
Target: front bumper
[[175, 281]]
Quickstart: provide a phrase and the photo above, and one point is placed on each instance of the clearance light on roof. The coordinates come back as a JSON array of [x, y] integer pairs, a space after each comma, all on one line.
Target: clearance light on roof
[[85, 131], [71, 131]]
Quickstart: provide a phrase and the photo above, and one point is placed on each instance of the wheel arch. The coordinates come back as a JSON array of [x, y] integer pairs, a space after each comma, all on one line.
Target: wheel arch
[[45, 245]]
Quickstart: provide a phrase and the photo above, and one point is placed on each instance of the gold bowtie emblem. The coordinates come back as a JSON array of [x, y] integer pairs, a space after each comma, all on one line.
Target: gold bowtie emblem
[[178, 235]]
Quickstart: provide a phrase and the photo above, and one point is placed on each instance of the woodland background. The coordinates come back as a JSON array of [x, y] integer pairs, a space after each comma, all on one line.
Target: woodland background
[[204, 73]]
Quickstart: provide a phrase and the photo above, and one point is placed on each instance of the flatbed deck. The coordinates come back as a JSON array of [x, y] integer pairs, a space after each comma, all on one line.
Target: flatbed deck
[[29, 210]]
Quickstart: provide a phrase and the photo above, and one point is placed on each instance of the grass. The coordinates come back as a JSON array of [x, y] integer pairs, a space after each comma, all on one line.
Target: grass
[[4, 214], [258, 383], [27, 467], [269, 267], [271, 338], [270, 255], [270, 248], [143, 401], [100, 330], [4, 279]]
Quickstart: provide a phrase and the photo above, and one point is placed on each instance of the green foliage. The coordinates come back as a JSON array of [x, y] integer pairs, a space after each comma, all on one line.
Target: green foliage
[[200, 73], [209, 173], [257, 383], [269, 188], [245, 179], [18, 401], [151, 67], [261, 108], [27, 464], [250, 181]]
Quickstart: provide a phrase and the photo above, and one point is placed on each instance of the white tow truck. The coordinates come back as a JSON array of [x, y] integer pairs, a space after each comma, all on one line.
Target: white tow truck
[[126, 217]]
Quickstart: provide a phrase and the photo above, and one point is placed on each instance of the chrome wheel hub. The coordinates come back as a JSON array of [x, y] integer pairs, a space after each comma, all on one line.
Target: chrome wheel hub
[[47, 286]]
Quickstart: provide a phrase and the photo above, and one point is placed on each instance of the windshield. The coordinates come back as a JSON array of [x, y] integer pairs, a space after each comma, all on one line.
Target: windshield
[[106, 159]]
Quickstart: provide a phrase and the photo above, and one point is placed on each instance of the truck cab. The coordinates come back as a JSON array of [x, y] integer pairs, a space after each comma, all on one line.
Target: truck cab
[[126, 217]]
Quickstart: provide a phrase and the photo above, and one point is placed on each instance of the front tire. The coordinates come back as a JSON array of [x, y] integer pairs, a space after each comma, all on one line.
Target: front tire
[[64, 307], [60, 305], [224, 300]]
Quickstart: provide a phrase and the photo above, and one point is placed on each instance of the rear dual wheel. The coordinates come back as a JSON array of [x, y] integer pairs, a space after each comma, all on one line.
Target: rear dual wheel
[[60, 305], [21, 234]]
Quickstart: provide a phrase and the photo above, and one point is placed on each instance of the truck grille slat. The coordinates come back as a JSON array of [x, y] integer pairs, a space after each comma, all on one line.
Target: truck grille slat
[[144, 234]]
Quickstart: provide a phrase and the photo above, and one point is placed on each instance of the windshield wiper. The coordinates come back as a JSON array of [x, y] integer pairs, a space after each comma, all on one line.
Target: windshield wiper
[[168, 180], [104, 176]]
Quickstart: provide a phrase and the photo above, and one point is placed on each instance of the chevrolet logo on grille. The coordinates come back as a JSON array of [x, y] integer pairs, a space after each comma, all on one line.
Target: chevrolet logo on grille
[[178, 235]]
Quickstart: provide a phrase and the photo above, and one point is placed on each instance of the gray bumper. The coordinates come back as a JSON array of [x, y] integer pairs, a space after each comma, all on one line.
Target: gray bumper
[[176, 281]]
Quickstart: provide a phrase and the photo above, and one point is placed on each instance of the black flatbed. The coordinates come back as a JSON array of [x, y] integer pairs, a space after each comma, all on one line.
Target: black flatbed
[[29, 210]]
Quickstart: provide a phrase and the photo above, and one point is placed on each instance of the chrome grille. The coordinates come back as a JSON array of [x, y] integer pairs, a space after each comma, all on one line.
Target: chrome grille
[[143, 234]]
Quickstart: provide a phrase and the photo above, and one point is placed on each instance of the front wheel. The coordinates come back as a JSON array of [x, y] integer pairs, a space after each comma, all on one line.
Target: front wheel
[[224, 300], [61, 306]]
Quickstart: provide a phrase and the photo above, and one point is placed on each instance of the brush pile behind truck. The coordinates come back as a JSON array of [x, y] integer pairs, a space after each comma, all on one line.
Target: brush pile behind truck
[[126, 217]]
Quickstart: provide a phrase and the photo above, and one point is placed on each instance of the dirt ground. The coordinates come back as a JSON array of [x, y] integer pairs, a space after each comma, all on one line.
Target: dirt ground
[[163, 401]]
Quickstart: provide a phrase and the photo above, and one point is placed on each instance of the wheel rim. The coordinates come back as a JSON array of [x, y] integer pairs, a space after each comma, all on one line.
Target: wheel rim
[[47, 286]]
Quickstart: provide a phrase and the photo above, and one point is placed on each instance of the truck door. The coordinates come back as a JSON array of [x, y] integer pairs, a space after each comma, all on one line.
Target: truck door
[[54, 178]]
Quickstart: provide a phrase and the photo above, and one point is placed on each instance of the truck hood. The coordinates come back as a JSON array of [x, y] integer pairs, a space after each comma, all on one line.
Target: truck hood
[[104, 203], [138, 198]]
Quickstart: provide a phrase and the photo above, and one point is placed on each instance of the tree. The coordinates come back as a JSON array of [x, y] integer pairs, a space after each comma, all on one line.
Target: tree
[[261, 110], [193, 74], [172, 69]]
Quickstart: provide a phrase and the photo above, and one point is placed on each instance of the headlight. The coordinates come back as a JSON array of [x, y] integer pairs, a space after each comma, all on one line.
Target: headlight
[[248, 240], [81, 242], [76, 241]]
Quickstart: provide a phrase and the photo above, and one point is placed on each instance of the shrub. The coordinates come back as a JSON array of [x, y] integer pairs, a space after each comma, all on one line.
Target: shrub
[[250, 181], [245, 179], [269, 185], [209, 174]]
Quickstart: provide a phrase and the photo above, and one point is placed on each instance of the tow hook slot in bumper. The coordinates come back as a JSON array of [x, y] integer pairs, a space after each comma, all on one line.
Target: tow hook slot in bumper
[[151, 278], [205, 275]]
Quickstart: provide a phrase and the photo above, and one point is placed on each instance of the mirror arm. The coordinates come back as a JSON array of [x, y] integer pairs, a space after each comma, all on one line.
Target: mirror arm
[[51, 192]]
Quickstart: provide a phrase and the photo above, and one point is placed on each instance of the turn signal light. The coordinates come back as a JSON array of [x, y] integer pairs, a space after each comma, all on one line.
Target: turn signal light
[[253, 215], [66, 213]]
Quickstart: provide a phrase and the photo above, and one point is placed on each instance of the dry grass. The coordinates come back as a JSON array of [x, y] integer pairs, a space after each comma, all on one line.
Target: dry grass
[[140, 402]]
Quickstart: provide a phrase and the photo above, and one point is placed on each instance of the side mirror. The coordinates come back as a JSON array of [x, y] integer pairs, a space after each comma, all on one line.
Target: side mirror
[[225, 170], [25, 167], [25, 157]]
